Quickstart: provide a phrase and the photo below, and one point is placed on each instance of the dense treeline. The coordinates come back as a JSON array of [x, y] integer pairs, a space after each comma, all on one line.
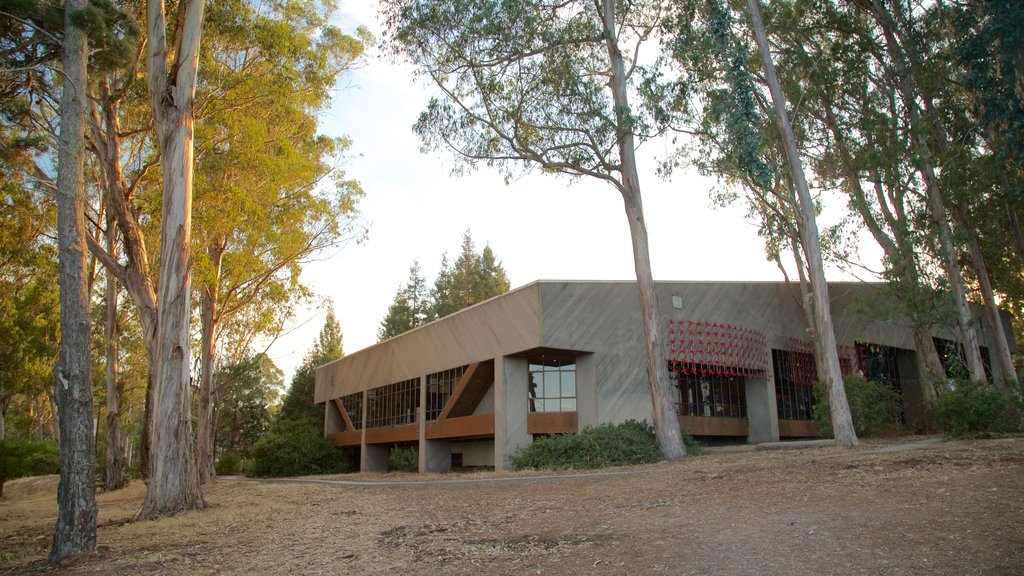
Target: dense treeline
[[471, 278]]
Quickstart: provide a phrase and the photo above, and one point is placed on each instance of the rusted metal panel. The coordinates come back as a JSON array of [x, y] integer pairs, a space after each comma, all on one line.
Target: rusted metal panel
[[798, 429], [714, 426], [389, 434], [552, 422], [461, 427]]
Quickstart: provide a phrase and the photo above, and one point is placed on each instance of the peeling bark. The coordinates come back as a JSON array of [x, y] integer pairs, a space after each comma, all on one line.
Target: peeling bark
[[842, 422], [174, 482], [666, 422]]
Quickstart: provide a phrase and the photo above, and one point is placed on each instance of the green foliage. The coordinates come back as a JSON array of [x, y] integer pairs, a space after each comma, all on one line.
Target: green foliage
[[403, 459], [230, 463], [246, 393], [295, 444], [978, 408], [625, 444], [27, 458], [297, 451], [297, 406], [875, 406], [410, 308], [472, 278]]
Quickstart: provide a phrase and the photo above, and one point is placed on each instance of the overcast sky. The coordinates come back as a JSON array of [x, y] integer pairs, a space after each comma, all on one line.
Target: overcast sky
[[540, 226]]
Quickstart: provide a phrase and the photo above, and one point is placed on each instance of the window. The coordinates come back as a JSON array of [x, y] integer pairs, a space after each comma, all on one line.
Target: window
[[353, 404], [552, 385], [951, 354], [440, 386], [708, 392], [878, 363], [795, 373], [393, 405]]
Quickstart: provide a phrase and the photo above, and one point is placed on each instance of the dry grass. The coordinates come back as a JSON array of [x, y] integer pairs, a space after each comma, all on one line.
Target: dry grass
[[953, 508]]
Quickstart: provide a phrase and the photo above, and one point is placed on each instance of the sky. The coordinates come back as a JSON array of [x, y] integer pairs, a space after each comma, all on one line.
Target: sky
[[540, 226]]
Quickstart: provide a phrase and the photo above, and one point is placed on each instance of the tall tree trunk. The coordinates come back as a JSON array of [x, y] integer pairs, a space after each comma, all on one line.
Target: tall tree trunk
[[842, 422], [208, 315], [666, 421], [909, 92], [134, 274], [114, 476], [75, 532], [174, 482], [999, 342]]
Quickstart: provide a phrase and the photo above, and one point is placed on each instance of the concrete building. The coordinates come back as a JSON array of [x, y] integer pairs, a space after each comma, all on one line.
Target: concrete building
[[554, 357]]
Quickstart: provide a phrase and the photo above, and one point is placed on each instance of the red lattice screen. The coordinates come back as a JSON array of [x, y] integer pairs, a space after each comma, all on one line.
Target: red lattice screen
[[804, 369], [716, 348]]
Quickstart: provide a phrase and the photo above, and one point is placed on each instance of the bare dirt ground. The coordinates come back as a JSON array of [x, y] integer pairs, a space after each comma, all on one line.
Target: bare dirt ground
[[948, 508]]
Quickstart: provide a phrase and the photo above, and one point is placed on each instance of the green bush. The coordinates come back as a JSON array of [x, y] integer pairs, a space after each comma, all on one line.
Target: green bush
[[403, 459], [875, 406], [20, 458], [977, 408], [229, 463], [297, 451], [630, 442]]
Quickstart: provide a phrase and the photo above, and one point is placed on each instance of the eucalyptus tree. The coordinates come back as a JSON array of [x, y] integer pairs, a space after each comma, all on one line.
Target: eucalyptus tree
[[897, 25], [75, 532], [842, 421], [545, 84], [859, 146], [269, 195], [171, 78], [730, 113]]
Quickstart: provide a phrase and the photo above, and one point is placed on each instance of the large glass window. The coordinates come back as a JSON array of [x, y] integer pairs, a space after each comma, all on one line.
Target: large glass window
[[393, 405], [440, 386], [552, 385], [353, 404], [710, 391], [795, 373]]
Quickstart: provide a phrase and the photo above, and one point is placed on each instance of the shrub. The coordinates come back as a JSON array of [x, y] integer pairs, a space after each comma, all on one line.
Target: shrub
[[630, 442], [977, 408], [874, 406], [403, 459], [296, 451], [229, 463], [27, 458]]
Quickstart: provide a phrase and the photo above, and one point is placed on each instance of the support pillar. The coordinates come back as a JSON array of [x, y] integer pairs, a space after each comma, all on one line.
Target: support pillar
[[762, 412]]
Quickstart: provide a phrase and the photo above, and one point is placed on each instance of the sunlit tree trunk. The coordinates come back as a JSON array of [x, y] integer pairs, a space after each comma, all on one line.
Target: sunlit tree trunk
[[666, 422], [173, 483], [998, 335], [134, 273], [204, 421], [75, 532], [114, 476], [842, 422]]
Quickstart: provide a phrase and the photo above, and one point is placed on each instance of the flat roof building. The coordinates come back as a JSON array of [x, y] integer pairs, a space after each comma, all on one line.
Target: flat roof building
[[556, 356]]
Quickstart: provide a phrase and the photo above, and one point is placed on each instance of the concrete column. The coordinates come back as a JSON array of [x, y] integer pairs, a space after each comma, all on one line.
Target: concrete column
[[421, 419], [374, 458], [762, 413], [499, 414], [435, 456], [510, 408], [586, 391], [333, 422]]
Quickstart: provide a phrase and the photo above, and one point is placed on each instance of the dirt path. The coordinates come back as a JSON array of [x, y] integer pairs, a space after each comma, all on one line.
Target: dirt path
[[949, 508]]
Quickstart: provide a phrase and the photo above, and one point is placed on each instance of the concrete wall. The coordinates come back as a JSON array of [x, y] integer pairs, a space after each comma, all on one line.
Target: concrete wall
[[600, 323], [475, 453]]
